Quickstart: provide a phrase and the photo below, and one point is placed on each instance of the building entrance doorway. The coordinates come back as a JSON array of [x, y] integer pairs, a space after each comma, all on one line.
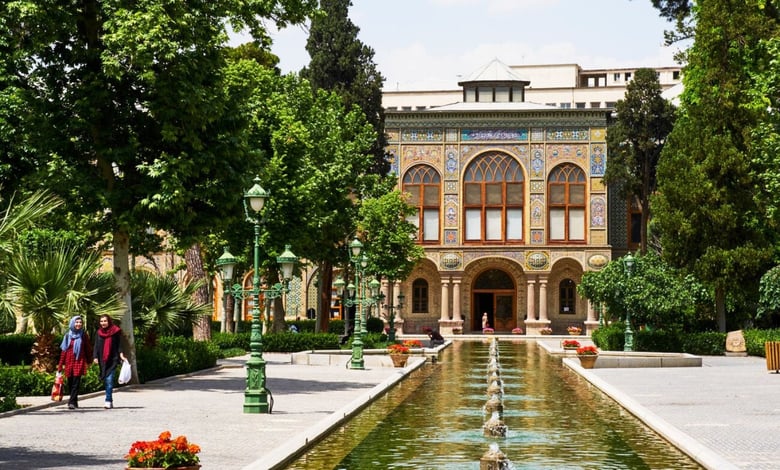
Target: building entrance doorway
[[494, 294]]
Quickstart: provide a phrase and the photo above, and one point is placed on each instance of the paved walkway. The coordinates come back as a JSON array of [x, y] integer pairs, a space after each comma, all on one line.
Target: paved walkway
[[725, 414]]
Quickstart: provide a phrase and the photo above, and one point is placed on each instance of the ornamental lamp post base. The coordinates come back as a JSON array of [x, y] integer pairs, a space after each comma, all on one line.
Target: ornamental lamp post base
[[255, 395]]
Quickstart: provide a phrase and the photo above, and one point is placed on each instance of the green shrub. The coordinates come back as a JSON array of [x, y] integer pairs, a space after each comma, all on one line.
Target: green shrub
[[336, 327], [294, 342], [709, 343], [755, 339], [231, 352], [21, 381], [656, 340], [8, 403], [375, 325], [231, 340], [15, 349], [610, 337], [174, 355]]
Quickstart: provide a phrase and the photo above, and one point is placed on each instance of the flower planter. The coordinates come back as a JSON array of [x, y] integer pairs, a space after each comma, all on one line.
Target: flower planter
[[588, 361], [399, 360], [186, 467]]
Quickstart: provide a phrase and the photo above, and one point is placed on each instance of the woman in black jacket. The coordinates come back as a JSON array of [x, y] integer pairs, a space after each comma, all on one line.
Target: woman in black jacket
[[108, 355]]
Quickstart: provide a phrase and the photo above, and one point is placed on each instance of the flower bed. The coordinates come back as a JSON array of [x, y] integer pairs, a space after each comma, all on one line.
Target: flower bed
[[574, 330], [487, 331], [163, 453], [587, 351], [517, 331], [397, 349], [546, 331], [570, 344]]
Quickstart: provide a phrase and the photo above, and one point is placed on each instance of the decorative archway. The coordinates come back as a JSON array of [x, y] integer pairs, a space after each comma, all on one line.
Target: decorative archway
[[494, 294]]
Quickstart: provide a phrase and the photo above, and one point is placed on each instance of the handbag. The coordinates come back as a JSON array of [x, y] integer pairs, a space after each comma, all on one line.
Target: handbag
[[56, 389], [125, 373]]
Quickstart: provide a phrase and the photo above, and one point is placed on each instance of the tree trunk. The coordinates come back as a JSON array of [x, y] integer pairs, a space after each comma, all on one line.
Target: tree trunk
[[122, 277], [326, 281], [720, 308], [201, 329]]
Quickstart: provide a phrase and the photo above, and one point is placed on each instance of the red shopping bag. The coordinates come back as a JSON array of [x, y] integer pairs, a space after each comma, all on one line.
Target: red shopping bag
[[56, 389]]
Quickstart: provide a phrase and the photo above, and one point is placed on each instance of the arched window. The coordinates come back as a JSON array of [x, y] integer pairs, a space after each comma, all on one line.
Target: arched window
[[420, 296], [423, 184], [566, 202], [568, 297], [493, 199]]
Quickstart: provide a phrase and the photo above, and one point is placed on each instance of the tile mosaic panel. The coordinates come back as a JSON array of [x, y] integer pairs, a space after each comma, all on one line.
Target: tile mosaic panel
[[422, 135], [451, 166], [451, 187], [598, 206], [598, 133], [537, 161], [393, 135], [537, 211], [568, 133], [450, 211], [537, 237], [598, 237], [392, 159], [597, 185], [450, 237], [413, 154], [598, 159], [537, 186], [451, 135], [537, 134], [493, 134], [568, 152]]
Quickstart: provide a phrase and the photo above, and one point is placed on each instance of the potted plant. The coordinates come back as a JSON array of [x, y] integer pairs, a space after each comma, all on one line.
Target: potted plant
[[545, 331], [588, 356], [457, 330], [164, 453], [574, 330], [399, 354], [412, 343], [517, 331], [570, 344], [488, 331]]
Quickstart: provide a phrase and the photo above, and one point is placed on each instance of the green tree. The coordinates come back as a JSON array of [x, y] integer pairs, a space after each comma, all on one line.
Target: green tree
[[635, 140], [128, 113], [340, 62], [64, 281], [709, 220], [163, 304]]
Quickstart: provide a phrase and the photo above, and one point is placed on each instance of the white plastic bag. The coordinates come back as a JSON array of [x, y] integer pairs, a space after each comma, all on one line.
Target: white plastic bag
[[125, 373]]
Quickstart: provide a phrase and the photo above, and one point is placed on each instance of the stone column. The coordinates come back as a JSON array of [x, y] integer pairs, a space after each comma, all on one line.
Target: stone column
[[543, 299], [531, 300], [445, 299], [399, 319], [456, 313], [591, 313]]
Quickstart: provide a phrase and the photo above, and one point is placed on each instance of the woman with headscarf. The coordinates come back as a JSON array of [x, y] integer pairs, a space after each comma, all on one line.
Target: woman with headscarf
[[75, 357], [108, 355]]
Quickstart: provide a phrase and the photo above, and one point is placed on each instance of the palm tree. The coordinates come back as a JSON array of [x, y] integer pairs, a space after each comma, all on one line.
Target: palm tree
[[162, 304], [15, 218], [49, 289]]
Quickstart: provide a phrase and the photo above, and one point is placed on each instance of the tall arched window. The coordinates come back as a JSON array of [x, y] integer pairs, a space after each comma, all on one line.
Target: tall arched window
[[568, 297], [423, 184], [493, 199], [420, 296], [566, 202]]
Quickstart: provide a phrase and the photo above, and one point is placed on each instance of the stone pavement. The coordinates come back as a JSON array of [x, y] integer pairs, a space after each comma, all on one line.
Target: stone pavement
[[725, 414], [206, 407]]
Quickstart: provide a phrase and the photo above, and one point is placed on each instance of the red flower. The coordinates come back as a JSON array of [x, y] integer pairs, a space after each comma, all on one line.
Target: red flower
[[587, 351]]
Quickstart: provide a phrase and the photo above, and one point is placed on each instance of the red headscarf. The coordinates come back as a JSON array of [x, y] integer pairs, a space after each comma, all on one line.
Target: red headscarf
[[108, 337]]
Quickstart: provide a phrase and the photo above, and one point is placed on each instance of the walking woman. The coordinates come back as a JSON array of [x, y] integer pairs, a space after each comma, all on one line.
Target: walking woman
[[108, 354], [75, 357]]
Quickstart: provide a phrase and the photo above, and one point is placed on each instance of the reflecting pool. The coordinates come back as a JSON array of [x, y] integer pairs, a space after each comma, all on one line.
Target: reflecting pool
[[434, 420]]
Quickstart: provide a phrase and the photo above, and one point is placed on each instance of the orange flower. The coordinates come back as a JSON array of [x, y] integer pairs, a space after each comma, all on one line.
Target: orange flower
[[163, 452]]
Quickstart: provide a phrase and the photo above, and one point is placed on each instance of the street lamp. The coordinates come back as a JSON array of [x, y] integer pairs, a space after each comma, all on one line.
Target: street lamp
[[256, 394], [391, 308], [628, 344]]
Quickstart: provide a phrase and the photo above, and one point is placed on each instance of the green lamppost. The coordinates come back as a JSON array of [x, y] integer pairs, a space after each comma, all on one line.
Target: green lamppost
[[391, 308], [628, 345], [256, 394], [350, 300]]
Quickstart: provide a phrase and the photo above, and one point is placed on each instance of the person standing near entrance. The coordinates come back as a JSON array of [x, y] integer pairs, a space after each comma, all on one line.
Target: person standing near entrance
[[108, 355], [485, 323], [75, 357]]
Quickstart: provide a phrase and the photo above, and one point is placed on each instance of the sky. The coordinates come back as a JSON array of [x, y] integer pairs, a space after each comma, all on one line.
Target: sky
[[432, 44]]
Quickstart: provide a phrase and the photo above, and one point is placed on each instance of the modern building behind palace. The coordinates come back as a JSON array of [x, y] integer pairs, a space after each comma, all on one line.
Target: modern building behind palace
[[507, 175]]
